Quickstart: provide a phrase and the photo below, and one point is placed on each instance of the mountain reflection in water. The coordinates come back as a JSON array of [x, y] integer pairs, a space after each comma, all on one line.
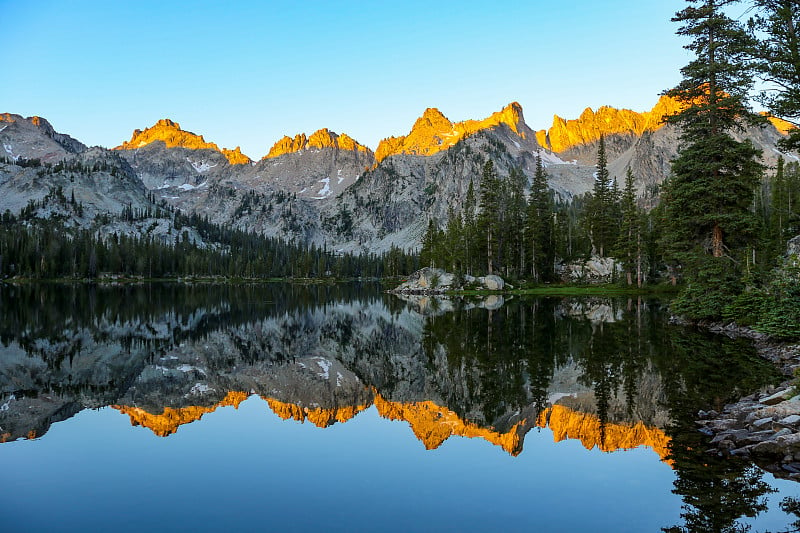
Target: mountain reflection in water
[[610, 373]]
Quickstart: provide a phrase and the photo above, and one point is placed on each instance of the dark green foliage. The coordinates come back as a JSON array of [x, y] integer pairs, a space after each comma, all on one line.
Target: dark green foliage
[[784, 207], [629, 247], [709, 225], [780, 309], [778, 54], [571, 238], [523, 240], [430, 253], [514, 225], [539, 227], [490, 218], [602, 219], [48, 249]]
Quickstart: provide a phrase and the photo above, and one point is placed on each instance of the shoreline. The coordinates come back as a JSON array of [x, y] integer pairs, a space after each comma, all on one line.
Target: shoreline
[[763, 426]]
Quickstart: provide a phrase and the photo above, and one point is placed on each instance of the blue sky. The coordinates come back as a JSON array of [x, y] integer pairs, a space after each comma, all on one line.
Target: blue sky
[[247, 73]]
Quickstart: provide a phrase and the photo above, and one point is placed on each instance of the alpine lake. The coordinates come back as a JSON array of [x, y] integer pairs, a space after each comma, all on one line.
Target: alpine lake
[[288, 407]]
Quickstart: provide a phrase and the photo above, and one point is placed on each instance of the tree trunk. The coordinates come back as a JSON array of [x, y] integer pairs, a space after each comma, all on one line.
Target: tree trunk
[[716, 241], [639, 259], [489, 251]]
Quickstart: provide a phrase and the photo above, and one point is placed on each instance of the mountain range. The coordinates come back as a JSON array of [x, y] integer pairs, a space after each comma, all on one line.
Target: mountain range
[[326, 187]]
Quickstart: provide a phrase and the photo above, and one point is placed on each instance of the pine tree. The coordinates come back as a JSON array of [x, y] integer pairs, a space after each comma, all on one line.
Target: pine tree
[[629, 243], [600, 217], [469, 231], [452, 246], [539, 226], [708, 222], [515, 223], [778, 54], [487, 222]]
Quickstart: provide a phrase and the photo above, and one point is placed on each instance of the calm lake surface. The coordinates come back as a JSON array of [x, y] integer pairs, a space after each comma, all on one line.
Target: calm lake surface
[[338, 408]]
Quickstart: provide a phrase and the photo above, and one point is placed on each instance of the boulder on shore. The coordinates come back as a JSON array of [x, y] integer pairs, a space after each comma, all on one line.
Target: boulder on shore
[[593, 270], [436, 281]]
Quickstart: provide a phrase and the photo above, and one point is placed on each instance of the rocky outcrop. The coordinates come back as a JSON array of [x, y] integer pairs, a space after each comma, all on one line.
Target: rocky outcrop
[[171, 134], [433, 132], [593, 270], [639, 141], [430, 280], [793, 247], [764, 427], [319, 140]]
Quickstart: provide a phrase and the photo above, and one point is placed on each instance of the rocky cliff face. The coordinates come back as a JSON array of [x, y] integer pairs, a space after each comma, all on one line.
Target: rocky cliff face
[[639, 141], [316, 168], [423, 174], [34, 138]]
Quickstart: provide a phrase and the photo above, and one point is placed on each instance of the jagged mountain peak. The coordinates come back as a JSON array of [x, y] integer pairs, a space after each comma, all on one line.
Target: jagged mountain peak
[[433, 131], [606, 120], [37, 121], [35, 138], [432, 117], [170, 133], [322, 138]]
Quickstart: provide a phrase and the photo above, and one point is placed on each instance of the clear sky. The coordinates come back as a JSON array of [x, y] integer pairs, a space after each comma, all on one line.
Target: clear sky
[[247, 73]]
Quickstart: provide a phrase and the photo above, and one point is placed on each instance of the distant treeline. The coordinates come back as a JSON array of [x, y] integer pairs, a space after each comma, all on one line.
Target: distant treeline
[[46, 249]]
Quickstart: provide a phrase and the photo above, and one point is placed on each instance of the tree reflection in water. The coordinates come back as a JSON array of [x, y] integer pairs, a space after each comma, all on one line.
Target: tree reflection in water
[[498, 370]]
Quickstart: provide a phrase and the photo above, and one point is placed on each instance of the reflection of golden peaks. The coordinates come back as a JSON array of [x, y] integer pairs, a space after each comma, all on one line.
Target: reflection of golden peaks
[[171, 419], [320, 417], [433, 425], [433, 132], [173, 136], [566, 423], [566, 134], [323, 138]]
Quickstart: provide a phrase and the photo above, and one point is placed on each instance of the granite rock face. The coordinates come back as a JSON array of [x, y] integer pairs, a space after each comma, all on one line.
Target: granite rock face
[[430, 280], [593, 270]]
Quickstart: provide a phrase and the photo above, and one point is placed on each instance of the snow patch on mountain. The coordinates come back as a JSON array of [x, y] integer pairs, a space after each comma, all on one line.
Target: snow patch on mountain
[[201, 166], [325, 365], [190, 187], [325, 191]]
